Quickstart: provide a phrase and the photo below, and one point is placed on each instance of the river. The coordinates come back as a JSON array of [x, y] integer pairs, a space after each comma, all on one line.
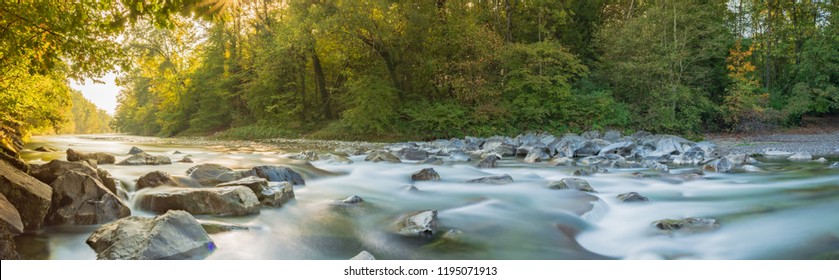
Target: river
[[787, 211]]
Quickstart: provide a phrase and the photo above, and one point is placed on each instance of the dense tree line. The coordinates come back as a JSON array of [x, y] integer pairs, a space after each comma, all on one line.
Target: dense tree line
[[424, 69]]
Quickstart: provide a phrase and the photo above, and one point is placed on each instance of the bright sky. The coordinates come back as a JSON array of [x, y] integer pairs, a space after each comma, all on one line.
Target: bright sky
[[103, 95]]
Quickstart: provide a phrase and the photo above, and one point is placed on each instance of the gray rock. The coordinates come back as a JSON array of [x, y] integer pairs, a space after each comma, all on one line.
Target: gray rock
[[426, 174], [432, 161], [800, 156], [612, 136], [307, 155], [79, 199], [277, 196], [490, 161], [722, 165], [591, 134], [363, 256], [30, 196], [9, 217], [278, 174], [623, 149], [562, 161], [108, 181], [134, 151], [217, 227], [338, 159], [207, 173], [821, 160], [536, 156], [378, 156], [145, 159], [411, 188], [590, 148], [155, 179], [174, 235], [688, 225], [655, 165], [834, 165], [223, 201], [8, 250], [353, 200], [495, 180], [44, 149], [632, 197], [412, 154], [270, 196], [459, 156], [417, 224], [571, 184], [100, 158]]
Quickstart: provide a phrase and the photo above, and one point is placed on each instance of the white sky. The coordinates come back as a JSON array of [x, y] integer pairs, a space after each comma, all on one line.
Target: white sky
[[103, 95]]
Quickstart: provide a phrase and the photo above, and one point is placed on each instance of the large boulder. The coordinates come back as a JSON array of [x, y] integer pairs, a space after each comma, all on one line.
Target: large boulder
[[9, 217], [623, 149], [145, 159], [174, 235], [426, 174], [29, 196], [268, 195], [721, 165], [571, 184], [278, 174], [7, 244], [494, 180], [378, 156], [590, 148], [79, 199], [99, 158], [222, 201], [155, 179], [417, 224], [536, 155], [208, 173], [50, 171]]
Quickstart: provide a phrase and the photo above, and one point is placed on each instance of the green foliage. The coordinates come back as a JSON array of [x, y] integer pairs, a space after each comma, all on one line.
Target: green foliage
[[438, 119], [374, 105]]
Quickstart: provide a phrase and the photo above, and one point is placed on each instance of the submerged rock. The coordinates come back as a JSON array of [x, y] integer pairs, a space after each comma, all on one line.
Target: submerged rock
[[216, 227], [562, 161], [145, 159], [571, 184], [186, 159], [79, 199], [352, 200], [222, 201], [418, 224], [100, 158], [363, 256], [632, 197], [688, 225], [173, 235], [30, 197], [432, 161], [801, 156], [44, 149], [495, 180], [134, 151], [378, 156], [490, 161], [426, 174]]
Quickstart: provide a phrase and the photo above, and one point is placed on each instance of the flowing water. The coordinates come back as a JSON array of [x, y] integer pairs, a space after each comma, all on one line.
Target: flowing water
[[788, 211]]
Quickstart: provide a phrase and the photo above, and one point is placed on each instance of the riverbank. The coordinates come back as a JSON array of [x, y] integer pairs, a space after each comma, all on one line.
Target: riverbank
[[817, 136]]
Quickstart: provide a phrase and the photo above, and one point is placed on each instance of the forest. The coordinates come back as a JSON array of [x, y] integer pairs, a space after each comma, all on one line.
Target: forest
[[401, 69]]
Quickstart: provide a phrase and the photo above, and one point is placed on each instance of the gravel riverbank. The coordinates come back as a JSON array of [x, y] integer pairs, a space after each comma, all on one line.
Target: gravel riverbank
[[818, 145]]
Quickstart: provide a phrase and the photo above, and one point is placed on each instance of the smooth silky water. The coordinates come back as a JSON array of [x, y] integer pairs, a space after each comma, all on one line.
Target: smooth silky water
[[788, 211]]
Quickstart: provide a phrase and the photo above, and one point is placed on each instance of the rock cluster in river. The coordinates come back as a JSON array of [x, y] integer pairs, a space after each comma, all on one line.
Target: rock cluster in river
[[99, 158]]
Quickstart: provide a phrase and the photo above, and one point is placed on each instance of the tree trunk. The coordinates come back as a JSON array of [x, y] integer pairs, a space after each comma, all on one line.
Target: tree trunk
[[320, 81]]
